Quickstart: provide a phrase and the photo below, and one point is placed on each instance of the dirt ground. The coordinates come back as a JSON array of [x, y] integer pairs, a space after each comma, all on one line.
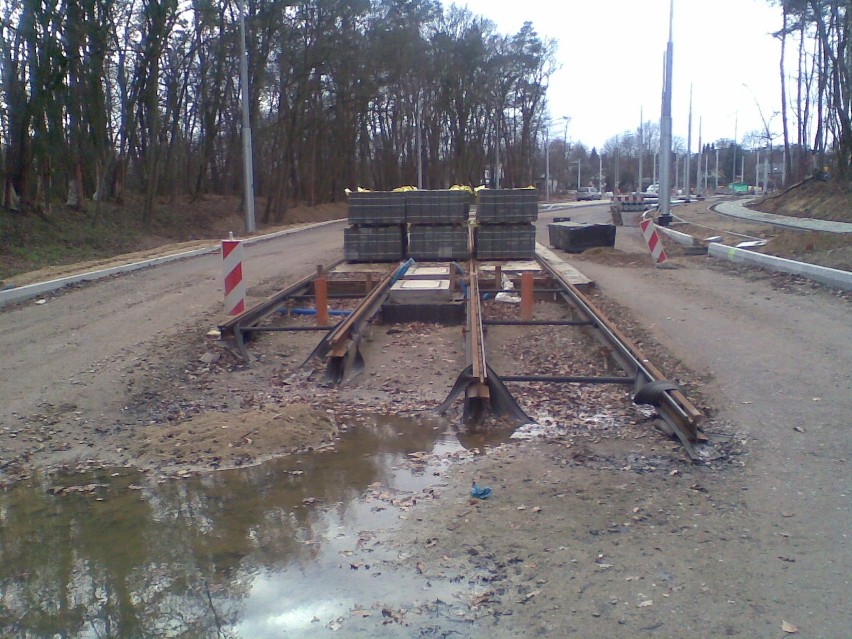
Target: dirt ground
[[598, 525]]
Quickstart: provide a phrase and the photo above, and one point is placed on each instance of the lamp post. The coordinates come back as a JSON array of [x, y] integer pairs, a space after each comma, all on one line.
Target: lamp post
[[248, 168], [546, 166], [567, 120]]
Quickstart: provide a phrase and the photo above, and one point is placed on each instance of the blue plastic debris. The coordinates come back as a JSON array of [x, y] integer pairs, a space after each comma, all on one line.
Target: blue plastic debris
[[480, 493]]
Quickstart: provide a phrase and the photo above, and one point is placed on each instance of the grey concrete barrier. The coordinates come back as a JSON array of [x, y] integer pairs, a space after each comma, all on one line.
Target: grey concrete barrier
[[822, 274]]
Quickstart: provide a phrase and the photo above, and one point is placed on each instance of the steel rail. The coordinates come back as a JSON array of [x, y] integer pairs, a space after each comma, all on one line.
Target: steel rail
[[569, 379], [475, 341], [537, 323], [673, 406], [483, 388], [238, 326], [338, 344]]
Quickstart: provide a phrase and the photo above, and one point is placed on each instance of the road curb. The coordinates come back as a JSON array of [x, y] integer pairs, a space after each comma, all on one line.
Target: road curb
[[822, 274], [22, 293]]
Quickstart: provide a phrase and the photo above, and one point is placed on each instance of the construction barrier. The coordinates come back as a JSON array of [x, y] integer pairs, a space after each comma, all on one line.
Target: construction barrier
[[652, 239], [634, 202], [235, 288]]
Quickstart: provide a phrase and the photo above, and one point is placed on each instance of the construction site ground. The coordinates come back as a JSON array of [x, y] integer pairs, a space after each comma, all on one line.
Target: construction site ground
[[598, 525]]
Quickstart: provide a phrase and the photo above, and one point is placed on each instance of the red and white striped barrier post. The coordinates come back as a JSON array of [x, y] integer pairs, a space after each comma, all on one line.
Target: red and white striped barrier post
[[235, 288], [652, 239]]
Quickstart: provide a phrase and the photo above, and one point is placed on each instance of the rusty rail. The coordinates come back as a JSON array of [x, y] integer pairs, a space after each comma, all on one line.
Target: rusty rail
[[342, 342], [483, 388], [651, 387]]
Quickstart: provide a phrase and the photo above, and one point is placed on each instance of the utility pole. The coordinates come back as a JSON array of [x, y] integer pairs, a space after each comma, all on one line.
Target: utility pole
[[641, 147], [688, 146], [665, 192], [546, 166], [497, 168], [419, 145], [248, 168], [717, 168], [734, 166], [700, 158]]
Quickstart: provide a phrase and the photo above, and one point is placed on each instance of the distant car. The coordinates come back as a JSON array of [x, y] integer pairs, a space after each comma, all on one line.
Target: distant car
[[588, 193]]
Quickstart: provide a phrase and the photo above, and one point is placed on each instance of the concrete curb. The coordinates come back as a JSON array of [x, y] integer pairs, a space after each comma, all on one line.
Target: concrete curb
[[822, 274], [29, 291], [738, 209], [683, 239]]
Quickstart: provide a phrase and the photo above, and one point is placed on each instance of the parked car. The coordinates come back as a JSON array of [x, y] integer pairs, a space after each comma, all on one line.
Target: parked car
[[588, 193]]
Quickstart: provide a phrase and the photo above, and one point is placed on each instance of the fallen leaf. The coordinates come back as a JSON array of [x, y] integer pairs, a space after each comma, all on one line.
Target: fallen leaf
[[786, 626], [646, 603]]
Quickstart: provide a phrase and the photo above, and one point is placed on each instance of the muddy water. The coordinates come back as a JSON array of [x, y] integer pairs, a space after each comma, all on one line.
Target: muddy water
[[300, 547]]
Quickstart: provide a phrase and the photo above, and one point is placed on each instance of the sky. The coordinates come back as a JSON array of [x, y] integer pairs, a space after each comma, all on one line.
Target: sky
[[610, 58]]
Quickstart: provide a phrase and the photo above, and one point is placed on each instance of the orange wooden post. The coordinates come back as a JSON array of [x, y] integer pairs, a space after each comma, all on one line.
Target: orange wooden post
[[321, 297], [527, 297]]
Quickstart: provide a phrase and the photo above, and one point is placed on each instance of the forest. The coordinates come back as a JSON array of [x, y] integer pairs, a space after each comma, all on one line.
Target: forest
[[103, 99]]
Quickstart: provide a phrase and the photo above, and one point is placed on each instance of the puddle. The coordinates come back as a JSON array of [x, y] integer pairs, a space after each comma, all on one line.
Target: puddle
[[299, 547]]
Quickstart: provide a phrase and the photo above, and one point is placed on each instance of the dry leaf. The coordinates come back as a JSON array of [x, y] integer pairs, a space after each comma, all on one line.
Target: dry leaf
[[530, 595], [786, 626], [646, 603]]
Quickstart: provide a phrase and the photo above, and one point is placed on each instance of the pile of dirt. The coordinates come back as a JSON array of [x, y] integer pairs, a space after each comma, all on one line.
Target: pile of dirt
[[812, 198], [230, 440]]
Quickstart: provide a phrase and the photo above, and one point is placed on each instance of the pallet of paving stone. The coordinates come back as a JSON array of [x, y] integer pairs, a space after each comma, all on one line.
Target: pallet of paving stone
[[374, 243], [437, 242], [506, 206], [505, 241], [377, 208], [437, 207]]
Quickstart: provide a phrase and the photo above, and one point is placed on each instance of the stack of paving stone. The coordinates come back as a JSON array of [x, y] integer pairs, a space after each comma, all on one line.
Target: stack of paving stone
[[505, 229], [376, 231], [437, 224]]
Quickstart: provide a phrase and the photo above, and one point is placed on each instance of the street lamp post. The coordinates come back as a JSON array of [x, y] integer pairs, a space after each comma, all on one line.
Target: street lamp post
[[546, 167], [248, 167], [567, 120]]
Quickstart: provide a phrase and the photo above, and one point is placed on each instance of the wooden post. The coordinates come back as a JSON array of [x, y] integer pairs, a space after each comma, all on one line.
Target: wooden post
[[321, 297], [527, 296]]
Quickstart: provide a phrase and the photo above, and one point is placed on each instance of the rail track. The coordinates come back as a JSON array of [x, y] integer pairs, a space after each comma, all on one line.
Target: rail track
[[484, 390]]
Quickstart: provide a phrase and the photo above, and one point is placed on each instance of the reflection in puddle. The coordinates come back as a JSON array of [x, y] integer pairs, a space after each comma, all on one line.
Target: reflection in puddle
[[293, 547]]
